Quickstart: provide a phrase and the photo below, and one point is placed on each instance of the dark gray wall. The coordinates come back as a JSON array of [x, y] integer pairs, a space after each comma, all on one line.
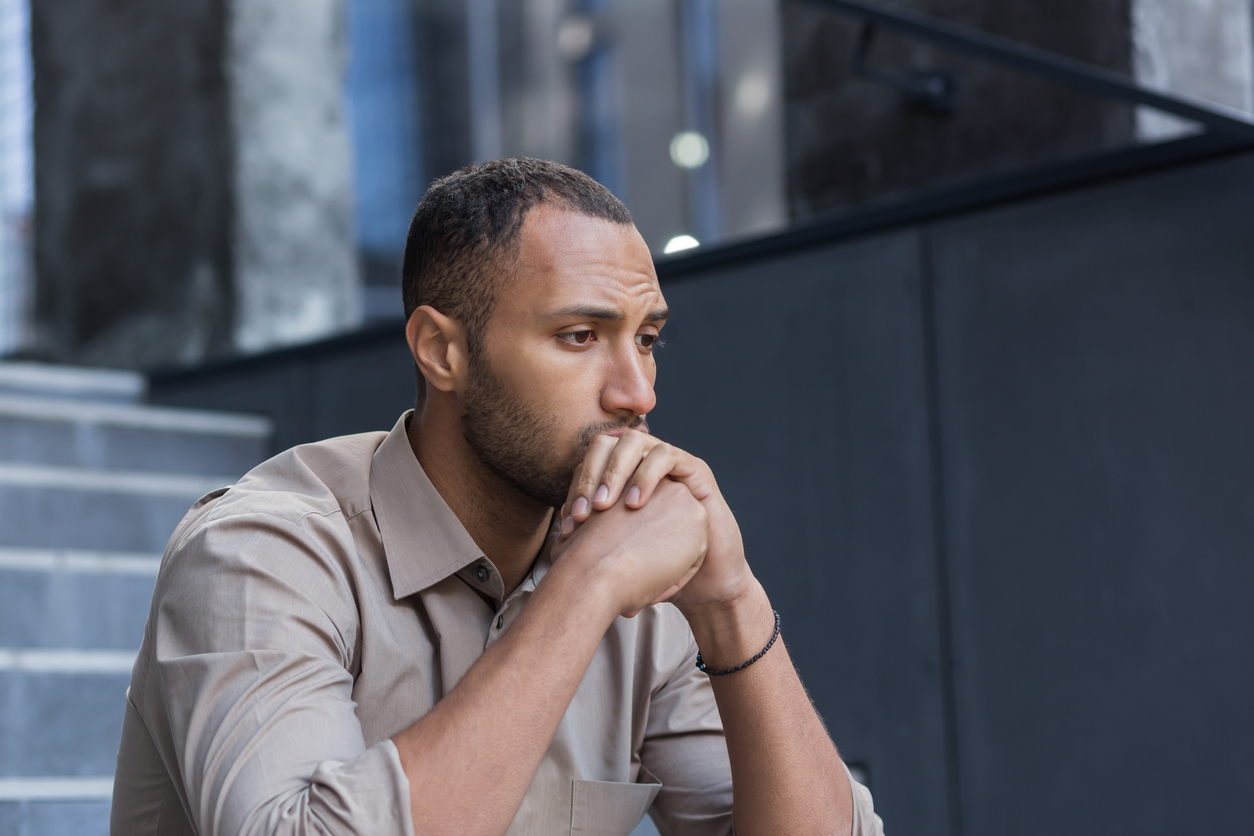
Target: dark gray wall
[[994, 471], [133, 182], [350, 384], [1096, 356], [806, 395]]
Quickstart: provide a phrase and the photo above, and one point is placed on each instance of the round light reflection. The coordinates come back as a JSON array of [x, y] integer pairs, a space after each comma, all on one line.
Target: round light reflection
[[689, 149], [753, 94], [575, 37]]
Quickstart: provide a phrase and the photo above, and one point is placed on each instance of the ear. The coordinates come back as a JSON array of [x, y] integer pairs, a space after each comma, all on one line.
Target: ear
[[438, 345]]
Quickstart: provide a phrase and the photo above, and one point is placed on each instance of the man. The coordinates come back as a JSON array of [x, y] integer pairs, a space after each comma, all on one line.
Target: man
[[397, 633]]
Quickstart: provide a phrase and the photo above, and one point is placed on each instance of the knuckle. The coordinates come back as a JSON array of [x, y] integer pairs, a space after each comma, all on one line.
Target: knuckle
[[643, 439], [669, 487]]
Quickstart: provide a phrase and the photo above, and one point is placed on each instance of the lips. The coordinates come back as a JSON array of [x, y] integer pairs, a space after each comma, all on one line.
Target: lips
[[612, 430], [618, 431]]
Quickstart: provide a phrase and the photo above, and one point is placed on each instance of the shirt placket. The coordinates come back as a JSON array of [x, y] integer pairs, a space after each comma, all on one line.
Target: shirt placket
[[512, 606]]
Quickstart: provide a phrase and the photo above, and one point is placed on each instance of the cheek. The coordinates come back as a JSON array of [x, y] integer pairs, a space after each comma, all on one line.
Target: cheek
[[569, 398], [564, 387]]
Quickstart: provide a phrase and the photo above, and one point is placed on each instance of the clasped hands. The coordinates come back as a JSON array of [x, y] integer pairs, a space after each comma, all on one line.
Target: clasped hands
[[653, 515]]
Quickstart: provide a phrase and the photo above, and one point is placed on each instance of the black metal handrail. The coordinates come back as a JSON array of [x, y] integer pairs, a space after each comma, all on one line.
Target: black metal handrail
[[1041, 62]]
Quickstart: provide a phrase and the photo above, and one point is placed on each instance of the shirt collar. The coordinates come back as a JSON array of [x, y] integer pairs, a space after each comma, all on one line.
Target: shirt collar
[[423, 540]]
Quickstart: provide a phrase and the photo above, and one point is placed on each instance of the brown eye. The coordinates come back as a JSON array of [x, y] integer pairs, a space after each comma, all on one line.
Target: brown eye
[[577, 337], [646, 340]]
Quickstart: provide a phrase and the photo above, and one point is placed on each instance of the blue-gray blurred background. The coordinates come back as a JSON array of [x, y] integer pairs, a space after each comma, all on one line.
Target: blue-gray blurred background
[[964, 323]]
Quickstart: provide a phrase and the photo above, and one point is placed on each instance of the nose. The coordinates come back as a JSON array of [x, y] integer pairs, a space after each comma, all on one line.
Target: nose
[[628, 390]]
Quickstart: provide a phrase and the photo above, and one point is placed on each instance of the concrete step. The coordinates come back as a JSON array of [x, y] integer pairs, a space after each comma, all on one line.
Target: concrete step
[[61, 712], [71, 382], [95, 510], [68, 599], [119, 436], [92, 484], [77, 817]]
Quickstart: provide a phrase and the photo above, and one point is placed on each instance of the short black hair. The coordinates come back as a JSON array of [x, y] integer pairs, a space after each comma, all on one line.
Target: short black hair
[[468, 224]]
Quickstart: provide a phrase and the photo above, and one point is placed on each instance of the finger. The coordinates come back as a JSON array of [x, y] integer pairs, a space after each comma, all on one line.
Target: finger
[[661, 462], [562, 520], [684, 468], [564, 511], [589, 477], [622, 463]]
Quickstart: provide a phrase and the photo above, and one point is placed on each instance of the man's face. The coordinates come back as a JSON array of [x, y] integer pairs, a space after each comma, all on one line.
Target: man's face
[[568, 353]]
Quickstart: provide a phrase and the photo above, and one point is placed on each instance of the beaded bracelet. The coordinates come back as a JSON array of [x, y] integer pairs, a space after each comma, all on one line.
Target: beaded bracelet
[[701, 665]]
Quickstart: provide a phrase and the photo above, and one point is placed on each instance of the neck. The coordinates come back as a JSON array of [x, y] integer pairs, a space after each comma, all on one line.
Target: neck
[[509, 526]]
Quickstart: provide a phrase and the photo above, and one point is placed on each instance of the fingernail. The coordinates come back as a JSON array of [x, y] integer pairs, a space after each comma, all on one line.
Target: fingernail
[[602, 494], [633, 495], [580, 507], [568, 525]]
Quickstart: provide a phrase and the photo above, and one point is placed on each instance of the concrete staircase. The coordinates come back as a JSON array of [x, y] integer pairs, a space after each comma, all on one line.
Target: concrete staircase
[[92, 483]]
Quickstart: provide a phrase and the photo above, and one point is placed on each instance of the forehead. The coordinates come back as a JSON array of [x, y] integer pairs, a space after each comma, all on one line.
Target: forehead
[[566, 257]]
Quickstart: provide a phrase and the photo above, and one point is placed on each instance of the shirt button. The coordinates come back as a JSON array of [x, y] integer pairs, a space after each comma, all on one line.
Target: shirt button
[[500, 621], [481, 573]]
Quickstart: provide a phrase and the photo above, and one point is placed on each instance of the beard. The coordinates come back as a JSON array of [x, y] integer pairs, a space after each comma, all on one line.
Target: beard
[[521, 445]]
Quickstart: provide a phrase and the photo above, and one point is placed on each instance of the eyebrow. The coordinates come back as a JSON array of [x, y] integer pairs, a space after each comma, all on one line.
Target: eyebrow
[[605, 314]]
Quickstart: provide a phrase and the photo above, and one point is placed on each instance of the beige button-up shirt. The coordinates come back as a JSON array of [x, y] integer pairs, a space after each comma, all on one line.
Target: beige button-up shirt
[[325, 603]]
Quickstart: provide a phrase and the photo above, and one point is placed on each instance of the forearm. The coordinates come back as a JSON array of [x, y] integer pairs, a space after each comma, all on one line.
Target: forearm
[[786, 774], [471, 759]]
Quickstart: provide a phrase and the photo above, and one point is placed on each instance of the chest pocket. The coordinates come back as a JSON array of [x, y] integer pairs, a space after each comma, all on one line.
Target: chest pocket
[[609, 808]]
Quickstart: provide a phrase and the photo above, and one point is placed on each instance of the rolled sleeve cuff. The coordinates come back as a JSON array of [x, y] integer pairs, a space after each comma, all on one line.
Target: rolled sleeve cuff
[[365, 796], [865, 820]]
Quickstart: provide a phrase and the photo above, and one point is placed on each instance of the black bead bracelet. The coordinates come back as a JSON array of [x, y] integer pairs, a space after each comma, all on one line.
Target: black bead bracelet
[[701, 664]]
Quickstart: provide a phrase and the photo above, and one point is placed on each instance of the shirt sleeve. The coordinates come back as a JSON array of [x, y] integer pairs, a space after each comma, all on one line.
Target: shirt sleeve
[[865, 820], [685, 750], [684, 747], [253, 647]]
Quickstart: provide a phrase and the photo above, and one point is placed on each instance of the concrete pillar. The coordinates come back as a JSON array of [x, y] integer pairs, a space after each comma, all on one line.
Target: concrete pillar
[[192, 178], [294, 245], [1201, 48]]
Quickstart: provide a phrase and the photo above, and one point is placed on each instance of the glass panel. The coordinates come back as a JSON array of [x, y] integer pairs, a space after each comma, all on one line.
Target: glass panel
[[384, 118]]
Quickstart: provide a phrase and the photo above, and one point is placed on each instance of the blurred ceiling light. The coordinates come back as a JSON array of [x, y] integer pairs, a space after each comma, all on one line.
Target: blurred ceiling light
[[689, 149], [753, 94], [575, 36], [680, 242]]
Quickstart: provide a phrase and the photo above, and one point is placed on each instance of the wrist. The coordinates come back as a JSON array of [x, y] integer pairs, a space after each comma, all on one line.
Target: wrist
[[729, 632], [580, 576]]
